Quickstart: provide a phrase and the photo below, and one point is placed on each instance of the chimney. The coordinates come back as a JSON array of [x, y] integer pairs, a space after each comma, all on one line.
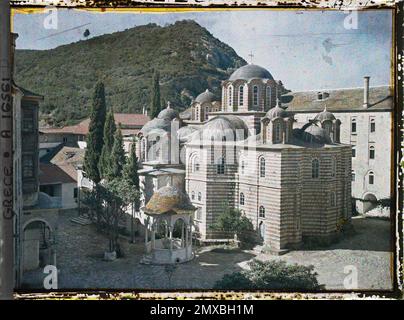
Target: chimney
[[366, 91]]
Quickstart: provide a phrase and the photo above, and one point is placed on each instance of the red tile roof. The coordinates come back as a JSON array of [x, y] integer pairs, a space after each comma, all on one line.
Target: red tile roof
[[55, 174], [127, 120]]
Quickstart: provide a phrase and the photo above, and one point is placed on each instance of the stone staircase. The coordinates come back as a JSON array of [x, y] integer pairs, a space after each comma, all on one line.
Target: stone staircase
[[82, 220]]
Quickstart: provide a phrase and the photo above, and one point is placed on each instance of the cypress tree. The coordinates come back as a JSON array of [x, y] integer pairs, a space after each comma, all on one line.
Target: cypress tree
[[131, 171], [118, 158], [95, 139], [155, 106], [109, 132], [131, 167]]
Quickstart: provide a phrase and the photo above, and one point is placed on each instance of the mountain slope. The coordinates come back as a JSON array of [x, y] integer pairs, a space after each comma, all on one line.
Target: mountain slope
[[187, 56]]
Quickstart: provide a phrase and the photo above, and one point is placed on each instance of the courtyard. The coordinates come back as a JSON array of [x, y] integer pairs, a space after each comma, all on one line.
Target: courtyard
[[80, 261]]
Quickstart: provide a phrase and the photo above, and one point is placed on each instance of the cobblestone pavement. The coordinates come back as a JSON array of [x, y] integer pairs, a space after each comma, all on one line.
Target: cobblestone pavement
[[81, 265], [368, 250]]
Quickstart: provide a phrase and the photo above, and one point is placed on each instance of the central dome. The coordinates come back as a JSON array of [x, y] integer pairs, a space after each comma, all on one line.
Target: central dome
[[250, 71]]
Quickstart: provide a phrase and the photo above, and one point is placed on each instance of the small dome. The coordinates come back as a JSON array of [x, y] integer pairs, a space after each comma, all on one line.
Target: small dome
[[325, 115], [169, 199], [206, 96], [314, 133], [184, 133], [250, 71], [229, 126], [156, 123], [168, 113], [276, 112]]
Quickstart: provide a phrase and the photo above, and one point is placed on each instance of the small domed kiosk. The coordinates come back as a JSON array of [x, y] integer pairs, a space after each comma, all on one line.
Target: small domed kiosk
[[168, 235]]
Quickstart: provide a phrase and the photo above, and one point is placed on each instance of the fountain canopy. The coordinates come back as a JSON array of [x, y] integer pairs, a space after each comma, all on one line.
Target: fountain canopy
[[168, 236]]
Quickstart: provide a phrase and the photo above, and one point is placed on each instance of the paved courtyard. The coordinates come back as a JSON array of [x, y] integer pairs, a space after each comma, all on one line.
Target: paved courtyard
[[81, 265]]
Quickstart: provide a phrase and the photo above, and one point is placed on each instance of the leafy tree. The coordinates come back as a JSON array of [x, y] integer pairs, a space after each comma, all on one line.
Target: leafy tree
[[117, 196], [155, 106], [273, 275], [118, 158], [95, 139], [109, 132], [233, 221], [131, 168]]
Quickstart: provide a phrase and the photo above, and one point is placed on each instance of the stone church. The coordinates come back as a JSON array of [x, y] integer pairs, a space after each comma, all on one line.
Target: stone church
[[291, 179]]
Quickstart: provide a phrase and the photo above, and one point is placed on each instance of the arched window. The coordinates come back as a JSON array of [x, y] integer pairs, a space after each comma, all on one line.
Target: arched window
[[242, 166], [372, 125], [220, 166], [262, 167], [333, 199], [193, 195], [353, 125], [143, 154], [353, 151], [230, 95], [268, 96], [255, 95], [315, 168], [240, 95], [262, 212], [196, 165], [371, 177], [353, 176], [197, 113], [371, 152], [212, 150], [199, 196], [333, 167], [242, 199], [206, 113], [277, 132], [328, 127]]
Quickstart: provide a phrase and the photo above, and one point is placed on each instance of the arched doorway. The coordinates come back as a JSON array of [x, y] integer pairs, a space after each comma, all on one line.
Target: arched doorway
[[261, 230], [37, 245], [369, 202]]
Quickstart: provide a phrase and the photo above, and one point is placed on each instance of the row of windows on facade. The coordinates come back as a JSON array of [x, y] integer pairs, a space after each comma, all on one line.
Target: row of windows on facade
[[28, 120], [372, 152], [220, 167], [27, 166], [255, 97], [354, 125], [370, 177], [261, 211]]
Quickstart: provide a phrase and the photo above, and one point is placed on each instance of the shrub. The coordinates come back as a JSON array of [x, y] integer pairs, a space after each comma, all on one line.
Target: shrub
[[274, 275]]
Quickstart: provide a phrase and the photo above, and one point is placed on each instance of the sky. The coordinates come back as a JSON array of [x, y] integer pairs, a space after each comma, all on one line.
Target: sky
[[306, 50]]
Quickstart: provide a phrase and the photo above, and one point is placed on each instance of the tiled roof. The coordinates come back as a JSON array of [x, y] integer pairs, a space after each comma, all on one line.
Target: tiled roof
[[68, 155], [339, 100], [54, 174], [170, 200], [129, 121]]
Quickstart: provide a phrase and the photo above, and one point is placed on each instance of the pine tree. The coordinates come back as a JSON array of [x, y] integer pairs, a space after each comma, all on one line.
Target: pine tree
[[155, 106], [109, 132], [95, 139], [118, 158]]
